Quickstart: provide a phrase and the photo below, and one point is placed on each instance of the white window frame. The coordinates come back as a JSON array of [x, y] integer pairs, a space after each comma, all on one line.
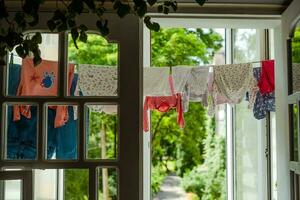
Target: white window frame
[[215, 21]]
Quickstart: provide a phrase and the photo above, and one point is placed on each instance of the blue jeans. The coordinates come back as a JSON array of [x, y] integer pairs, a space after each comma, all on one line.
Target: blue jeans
[[21, 135]]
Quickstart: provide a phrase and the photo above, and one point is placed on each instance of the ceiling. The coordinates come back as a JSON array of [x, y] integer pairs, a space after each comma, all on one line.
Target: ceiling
[[274, 2]]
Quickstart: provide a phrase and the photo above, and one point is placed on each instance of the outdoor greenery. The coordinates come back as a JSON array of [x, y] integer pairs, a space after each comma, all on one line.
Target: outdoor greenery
[[197, 146], [65, 18], [208, 180], [296, 45], [174, 150]]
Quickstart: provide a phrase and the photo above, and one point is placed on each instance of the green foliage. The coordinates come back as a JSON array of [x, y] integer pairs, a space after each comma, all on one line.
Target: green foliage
[[76, 184], [157, 177], [65, 18], [296, 46], [89, 52], [208, 180], [180, 46], [190, 148], [96, 123]]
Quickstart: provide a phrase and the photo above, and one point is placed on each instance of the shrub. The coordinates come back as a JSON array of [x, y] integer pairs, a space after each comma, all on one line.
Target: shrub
[[157, 177]]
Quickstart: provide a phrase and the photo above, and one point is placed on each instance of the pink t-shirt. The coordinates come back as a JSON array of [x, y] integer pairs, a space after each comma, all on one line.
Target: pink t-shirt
[[41, 80]]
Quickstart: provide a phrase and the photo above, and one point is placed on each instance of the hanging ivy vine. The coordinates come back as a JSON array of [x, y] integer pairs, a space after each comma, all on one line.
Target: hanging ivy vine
[[64, 19]]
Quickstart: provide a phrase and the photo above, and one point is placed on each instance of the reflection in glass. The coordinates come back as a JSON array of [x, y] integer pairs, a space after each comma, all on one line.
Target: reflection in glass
[[295, 132], [62, 129], [45, 184], [96, 65], [11, 189], [248, 132], [21, 131], [295, 45], [246, 45], [102, 131], [108, 184]]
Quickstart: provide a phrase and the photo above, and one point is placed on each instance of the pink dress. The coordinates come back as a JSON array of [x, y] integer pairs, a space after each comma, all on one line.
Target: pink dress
[[41, 81]]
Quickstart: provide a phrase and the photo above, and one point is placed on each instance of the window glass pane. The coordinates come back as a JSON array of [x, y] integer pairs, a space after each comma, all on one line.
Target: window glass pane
[[296, 58], [249, 132], [96, 65], [10, 189], [294, 145], [245, 45], [247, 140], [21, 131], [46, 184], [189, 162], [101, 129], [108, 184], [62, 132], [25, 79], [76, 184]]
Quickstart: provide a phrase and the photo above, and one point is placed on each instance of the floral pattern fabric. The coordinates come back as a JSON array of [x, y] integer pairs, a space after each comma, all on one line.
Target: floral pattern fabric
[[264, 102], [96, 80], [233, 81]]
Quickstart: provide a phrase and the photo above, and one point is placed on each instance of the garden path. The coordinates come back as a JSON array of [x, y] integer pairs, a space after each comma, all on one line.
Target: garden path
[[171, 189]]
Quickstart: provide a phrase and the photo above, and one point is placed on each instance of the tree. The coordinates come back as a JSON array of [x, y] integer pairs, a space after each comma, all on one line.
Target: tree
[[179, 46], [208, 180], [184, 147], [96, 51]]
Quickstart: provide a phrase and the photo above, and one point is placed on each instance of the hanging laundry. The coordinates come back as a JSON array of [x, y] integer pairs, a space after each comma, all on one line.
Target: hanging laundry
[[164, 104], [264, 102], [233, 81], [156, 81], [213, 97], [96, 80], [266, 83], [21, 134], [41, 81], [198, 83], [181, 75], [296, 77]]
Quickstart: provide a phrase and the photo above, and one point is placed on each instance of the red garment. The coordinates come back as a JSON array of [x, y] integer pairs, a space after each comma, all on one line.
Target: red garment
[[266, 83], [164, 104], [41, 81]]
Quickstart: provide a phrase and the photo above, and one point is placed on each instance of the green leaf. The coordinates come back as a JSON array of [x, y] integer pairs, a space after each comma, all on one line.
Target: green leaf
[[51, 25], [83, 27], [160, 8], [122, 9], [75, 35], [201, 2], [103, 28], [83, 37], [71, 23], [20, 51], [76, 6], [37, 38], [151, 2], [166, 10], [100, 11], [37, 60], [62, 27], [151, 25]]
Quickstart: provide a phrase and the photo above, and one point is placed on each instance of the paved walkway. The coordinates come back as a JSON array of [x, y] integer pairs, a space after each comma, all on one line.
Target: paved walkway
[[171, 189]]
